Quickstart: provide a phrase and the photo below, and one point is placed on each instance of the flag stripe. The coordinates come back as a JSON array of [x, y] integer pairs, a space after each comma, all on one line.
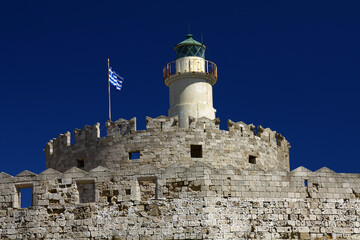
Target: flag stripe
[[115, 79]]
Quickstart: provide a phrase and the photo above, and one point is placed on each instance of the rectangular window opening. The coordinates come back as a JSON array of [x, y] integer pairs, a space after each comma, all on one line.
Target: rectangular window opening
[[252, 159], [80, 163], [196, 151], [128, 191], [305, 182], [120, 127], [24, 198], [134, 155], [86, 191]]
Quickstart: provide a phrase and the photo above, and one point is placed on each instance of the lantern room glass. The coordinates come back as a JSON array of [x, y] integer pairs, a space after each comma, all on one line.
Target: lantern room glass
[[188, 50]]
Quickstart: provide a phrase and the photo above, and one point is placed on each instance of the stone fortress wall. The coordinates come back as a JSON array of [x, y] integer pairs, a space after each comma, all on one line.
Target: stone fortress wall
[[178, 202], [178, 179], [163, 143], [195, 183]]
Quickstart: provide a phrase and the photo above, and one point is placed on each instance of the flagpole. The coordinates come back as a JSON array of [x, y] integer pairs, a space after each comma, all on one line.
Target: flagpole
[[109, 90]]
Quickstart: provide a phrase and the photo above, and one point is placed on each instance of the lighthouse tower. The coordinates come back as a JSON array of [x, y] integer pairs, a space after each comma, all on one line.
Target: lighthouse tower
[[190, 79]]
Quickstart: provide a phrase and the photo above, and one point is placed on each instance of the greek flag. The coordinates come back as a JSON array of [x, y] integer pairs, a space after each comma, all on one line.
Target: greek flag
[[115, 79]]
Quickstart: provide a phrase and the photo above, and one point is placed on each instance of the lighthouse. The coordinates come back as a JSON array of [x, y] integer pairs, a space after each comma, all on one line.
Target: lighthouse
[[190, 79]]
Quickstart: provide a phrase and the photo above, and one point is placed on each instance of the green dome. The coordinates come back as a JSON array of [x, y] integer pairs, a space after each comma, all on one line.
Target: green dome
[[190, 47]]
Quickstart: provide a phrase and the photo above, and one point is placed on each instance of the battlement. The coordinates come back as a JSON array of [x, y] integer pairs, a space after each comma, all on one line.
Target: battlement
[[164, 143], [87, 134], [299, 183], [161, 123], [121, 127], [264, 133], [180, 178], [167, 199], [90, 134]]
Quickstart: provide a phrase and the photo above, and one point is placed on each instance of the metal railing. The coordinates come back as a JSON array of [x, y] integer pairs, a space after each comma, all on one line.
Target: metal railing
[[210, 68]]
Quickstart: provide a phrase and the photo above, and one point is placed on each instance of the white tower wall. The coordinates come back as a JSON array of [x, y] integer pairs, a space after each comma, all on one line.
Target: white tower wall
[[190, 64], [190, 90]]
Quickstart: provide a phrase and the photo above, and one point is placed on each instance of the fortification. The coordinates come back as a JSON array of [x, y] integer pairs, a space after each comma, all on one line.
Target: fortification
[[163, 143], [181, 178]]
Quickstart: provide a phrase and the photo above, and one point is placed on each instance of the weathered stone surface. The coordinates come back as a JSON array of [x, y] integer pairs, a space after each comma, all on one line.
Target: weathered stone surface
[[237, 185], [163, 143], [199, 202]]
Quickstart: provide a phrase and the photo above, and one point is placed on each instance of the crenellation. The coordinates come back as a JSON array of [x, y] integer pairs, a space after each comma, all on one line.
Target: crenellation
[[172, 182], [204, 124], [198, 170], [4, 177], [164, 143], [49, 149], [86, 135], [181, 178], [120, 127], [161, 123], [239, 127], [267, 135], [60, 143], [251, 130], [63, 140]]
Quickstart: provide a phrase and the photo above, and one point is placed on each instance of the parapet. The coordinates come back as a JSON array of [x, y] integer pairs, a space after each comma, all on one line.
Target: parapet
[[242, 128], [204, 123], [87, 135], [299, 183], [161, 123], [154, 203], [121, 127], [164, 143], [83, 137], [58, 144], [264, 133]]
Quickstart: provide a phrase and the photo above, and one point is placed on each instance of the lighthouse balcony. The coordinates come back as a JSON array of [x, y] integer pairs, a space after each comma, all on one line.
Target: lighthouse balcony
[[188, 65]]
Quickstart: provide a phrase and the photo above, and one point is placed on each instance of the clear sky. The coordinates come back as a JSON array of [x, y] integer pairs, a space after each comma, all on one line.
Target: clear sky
[[289, 65]]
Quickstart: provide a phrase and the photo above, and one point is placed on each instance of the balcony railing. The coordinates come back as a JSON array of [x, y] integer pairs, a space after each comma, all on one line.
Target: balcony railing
[[190, 66]]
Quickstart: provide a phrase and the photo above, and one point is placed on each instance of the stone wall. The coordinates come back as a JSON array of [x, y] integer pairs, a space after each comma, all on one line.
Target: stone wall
[[179, 202], [163, 144]]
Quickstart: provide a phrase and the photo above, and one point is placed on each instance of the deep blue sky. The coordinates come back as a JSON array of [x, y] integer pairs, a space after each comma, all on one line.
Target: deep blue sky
[[292, 66]]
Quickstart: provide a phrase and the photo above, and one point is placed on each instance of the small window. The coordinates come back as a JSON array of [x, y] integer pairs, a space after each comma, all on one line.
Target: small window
[[252, 159], [196, 151], [24, 197], [80, 163], [134, 155], [305, 182], [128, 191]]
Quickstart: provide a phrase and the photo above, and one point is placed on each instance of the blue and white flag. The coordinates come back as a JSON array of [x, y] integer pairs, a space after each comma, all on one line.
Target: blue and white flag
[[115, 79]]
